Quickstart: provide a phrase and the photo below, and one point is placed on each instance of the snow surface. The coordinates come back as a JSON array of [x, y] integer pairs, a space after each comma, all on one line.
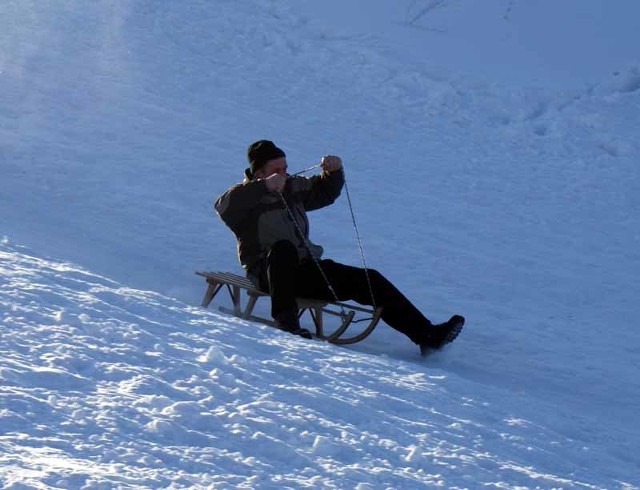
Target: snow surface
[[491, 154]]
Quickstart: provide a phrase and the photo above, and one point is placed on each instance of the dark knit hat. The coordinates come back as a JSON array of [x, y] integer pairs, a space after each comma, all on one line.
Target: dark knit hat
[[260, 152]]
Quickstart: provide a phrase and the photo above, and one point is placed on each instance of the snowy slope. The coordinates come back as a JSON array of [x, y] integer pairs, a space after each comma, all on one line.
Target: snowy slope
[[483, 183], [107, 386]]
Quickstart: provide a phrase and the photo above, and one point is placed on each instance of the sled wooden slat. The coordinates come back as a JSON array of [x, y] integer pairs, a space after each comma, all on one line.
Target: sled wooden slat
[[346, 312]]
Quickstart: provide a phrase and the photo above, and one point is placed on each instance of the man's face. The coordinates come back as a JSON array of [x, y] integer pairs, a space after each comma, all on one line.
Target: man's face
[[275, 166]]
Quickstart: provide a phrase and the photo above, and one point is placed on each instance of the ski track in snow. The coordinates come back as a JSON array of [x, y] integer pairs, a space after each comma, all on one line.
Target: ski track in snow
[[103, 385]]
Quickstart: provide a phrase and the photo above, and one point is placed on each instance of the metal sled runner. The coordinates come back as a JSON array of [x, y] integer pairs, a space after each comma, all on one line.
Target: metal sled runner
[[347, 313]]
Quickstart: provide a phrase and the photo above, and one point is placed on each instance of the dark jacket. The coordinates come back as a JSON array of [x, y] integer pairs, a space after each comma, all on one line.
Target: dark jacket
[[259, 218]]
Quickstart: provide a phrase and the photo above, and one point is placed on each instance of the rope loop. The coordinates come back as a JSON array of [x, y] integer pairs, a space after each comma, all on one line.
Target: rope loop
[[315, 259]]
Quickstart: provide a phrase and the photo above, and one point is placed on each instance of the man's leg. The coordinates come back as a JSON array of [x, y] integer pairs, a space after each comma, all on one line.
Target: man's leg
[[350, 283], [279, 278]]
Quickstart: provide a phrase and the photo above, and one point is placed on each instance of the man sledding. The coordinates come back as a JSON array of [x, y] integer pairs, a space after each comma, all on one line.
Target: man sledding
[[267, 214]]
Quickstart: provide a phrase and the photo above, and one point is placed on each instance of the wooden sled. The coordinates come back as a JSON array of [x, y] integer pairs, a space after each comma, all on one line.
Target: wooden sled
[[236, 285]]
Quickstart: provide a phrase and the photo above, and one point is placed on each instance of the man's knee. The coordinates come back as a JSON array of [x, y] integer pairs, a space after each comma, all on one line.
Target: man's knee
[[379, 283], [283, 247], [283, 252], [375, 276]]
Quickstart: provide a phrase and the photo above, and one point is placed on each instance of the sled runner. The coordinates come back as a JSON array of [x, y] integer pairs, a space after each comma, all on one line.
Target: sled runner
[[348, 314]]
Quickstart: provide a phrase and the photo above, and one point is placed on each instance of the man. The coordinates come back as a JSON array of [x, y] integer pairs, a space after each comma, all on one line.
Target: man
[[267, 214]]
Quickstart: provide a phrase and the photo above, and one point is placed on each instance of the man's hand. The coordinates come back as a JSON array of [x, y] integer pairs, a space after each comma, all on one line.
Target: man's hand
[[331, 163], [276, 182]]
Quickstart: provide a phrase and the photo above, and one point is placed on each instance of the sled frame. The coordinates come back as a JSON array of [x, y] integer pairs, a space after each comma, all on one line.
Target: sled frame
[[316, 309]]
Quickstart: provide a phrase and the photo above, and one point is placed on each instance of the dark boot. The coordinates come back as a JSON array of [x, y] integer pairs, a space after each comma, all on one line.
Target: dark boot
[[442, 334], [288, 321]]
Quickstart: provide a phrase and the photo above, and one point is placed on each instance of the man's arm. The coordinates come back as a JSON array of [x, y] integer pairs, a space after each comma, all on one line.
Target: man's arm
[[321, 190], [235, 204]]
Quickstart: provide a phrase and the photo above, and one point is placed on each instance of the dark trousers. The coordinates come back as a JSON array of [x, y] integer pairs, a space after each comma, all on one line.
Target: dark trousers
[[285, 277]]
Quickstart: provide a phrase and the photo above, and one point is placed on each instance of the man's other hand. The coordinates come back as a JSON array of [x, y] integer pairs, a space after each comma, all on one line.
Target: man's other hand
[[276, 182], [331, 163]]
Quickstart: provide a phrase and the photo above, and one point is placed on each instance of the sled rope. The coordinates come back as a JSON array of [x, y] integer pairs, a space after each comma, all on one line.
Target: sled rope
[[358, 239], [307, 169], [343, 313]]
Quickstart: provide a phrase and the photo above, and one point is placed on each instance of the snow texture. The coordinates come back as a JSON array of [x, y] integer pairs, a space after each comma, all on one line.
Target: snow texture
[[491, 155]]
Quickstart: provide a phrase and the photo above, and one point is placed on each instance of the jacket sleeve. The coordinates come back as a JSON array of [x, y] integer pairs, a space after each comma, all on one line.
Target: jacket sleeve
[[321, 190], [236, 203]]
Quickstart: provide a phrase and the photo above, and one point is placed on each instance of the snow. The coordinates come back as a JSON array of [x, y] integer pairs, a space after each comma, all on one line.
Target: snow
[[491, 156]]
